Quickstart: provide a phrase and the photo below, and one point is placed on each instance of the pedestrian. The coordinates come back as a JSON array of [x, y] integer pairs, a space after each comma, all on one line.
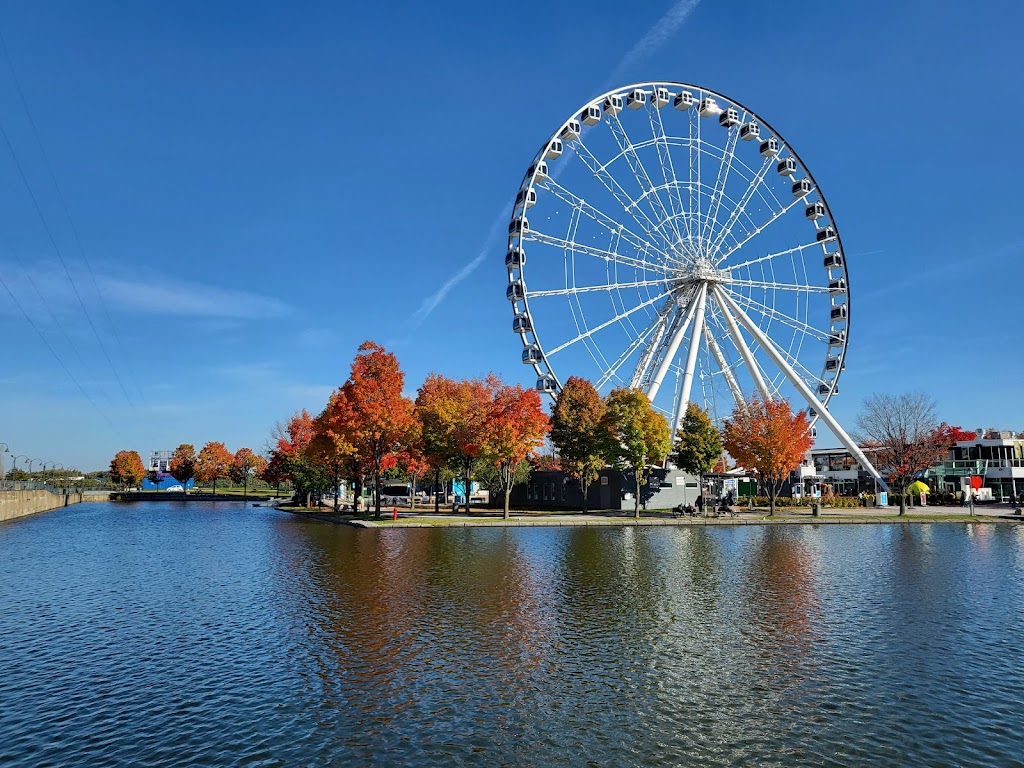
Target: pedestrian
[[963, 499], [700, 504]]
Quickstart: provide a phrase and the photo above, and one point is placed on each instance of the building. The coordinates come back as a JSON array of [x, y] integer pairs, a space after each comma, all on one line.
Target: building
[[997, 458], [160, 461]]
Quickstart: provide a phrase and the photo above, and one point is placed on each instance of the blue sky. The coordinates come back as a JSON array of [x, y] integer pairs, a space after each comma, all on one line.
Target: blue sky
[[259, 188]]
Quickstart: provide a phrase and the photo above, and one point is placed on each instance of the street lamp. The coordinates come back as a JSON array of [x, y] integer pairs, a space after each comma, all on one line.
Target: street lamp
[[3, 474]]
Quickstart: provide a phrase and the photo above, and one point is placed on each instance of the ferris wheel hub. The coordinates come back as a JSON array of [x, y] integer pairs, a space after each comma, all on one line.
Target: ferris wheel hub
[[701, 270]]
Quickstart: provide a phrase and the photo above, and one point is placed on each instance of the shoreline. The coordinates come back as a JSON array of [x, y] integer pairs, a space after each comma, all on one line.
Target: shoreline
[[489, 519]]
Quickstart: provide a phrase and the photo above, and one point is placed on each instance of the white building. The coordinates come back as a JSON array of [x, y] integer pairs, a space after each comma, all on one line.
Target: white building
[[160, 461]]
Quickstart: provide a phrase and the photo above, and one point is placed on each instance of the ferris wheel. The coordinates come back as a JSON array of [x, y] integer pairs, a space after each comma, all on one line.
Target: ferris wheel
[[668, 239]]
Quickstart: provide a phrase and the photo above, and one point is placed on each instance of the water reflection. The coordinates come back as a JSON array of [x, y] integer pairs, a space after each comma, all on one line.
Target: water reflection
[[224, 636]]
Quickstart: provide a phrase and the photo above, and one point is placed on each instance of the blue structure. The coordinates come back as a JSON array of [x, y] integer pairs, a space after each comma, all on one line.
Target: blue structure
[[164, 481]]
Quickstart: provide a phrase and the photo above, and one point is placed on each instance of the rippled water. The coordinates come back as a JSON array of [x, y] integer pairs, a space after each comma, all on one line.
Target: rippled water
[[160, 634]]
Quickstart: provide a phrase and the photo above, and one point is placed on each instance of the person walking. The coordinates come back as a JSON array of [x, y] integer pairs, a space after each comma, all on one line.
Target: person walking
[[700, 503]]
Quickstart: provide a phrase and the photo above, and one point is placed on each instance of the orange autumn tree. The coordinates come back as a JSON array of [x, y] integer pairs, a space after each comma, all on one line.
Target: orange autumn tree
[[332, 446], [378, 417], [289, 454], [213, 463], [768, 439], [246, 465], [182, 465], [127, 469], [451, 414], [514, 426]]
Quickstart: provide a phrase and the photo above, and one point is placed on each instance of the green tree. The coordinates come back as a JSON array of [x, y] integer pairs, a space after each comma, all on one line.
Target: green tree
[[576, 431], [699, 444], [634, 436]]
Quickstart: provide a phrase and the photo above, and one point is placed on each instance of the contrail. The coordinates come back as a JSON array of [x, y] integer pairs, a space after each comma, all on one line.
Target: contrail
[[659, 34], [430, 303], [655, 37]]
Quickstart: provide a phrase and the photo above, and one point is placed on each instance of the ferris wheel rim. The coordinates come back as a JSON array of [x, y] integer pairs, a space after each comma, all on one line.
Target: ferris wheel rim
[[530, 336]]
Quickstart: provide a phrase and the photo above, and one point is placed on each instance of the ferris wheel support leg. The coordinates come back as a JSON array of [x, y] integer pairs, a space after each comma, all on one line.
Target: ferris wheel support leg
[[734, 387], [673, 347], [741, 345], [801, 386], [691, 357]]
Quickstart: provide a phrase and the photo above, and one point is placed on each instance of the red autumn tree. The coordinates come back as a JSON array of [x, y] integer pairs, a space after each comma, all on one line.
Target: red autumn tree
[[291, 442], [452, 414], [127, 469], [377, 416], [182, 465], [768, 439], [948, 435], [275, 472], [213, 463], [513, 428], [412, 460]]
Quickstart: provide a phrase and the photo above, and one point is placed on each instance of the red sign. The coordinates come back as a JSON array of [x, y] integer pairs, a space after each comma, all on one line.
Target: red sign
[[975, 482]]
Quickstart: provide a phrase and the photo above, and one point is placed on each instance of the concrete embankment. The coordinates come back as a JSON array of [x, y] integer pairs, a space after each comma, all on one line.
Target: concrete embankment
[[15, 504]]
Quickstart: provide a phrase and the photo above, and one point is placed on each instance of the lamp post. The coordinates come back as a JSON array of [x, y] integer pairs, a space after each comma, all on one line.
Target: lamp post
[[44, 471], [5, 449], [14, 465], [58, 464]]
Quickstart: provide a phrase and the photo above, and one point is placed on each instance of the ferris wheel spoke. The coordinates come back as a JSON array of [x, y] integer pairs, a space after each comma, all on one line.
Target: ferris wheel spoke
[[589, 333], [592, 288], [629, 205], [628, 352], [773, 314], [721, 179], [770, 256], [536, 236], [751, 235], [602, 219], [725, 368], [753, 369], [741, 207], [643, 179], [643, 365], [668, 170], [780, 286], [675, 339]]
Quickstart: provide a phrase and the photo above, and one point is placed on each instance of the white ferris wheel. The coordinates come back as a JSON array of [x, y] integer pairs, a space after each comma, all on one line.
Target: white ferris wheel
[[667, 238]]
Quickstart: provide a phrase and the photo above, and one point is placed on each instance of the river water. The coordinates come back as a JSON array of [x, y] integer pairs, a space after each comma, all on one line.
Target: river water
[[211, 634]]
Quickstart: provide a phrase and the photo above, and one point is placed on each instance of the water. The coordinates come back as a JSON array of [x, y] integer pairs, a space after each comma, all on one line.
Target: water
[[160, 634]]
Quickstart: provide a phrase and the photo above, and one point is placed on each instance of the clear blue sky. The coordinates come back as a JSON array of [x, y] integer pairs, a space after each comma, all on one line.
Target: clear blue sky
[[260, 187]]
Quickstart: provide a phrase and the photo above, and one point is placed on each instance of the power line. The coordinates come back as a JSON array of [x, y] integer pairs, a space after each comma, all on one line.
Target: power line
[[60, 258], [71, 221], [55, 355]]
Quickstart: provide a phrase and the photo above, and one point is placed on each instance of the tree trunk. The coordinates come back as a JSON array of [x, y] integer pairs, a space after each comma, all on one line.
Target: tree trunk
[[214, 487], [584, 485], [336, 483], [903, 503], [245, 490], [469, 465], [437, 491], [376, 491], [412, 493], [508, 492], [636, 497], [771, 500]]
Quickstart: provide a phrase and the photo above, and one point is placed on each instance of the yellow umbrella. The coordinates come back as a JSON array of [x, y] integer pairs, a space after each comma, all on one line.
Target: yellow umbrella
[[918, 487]]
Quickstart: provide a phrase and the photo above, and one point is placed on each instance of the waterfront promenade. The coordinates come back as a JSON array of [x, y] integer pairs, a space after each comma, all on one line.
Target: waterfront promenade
[[993, 513]]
